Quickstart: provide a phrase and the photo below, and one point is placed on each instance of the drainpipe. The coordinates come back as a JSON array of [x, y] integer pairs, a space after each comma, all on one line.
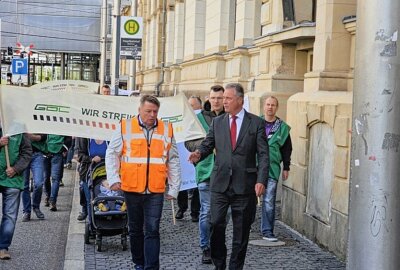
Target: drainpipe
[[253, 84], [161, 81]]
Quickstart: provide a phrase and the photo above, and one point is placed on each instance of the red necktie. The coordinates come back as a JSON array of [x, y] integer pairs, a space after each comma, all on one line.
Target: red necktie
[[233, 131]]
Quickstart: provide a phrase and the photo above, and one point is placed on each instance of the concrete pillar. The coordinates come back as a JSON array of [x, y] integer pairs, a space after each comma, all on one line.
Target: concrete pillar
[[374, 215], [194, 28], [179, 35], [248, 16], [331, 64], [170, 35], [220, 21]]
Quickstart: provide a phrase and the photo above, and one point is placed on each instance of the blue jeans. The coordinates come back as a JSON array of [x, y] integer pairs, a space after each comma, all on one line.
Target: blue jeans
[[145, 209], [268, 208], [70, 153], [54, 168], [10, 205], [37, 167], [86, 207], [204, 218]]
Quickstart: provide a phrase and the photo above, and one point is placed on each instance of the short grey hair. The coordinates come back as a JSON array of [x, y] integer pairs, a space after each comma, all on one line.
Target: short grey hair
[[150, 99], [239, 91]]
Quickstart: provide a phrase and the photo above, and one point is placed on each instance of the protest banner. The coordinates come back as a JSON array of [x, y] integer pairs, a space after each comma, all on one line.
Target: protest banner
[[86, 115], [188, 171]]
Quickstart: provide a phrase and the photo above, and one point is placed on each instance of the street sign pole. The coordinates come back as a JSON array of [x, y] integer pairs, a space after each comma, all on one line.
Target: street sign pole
[[103, 43], [132, 65], [115, 46], [374, 215]]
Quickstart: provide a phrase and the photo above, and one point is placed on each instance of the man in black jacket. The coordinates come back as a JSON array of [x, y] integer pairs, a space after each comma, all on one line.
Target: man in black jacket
[[236, 180], [204, 169]]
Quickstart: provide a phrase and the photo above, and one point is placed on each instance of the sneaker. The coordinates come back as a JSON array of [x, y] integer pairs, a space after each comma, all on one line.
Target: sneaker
[[206, 257], [69, 166], [47, 202], [53, 206], [38, 213], [81, 216], [270, 237], [179, 214], [138, 267], [4, 255], [61, 183], [26, 217]]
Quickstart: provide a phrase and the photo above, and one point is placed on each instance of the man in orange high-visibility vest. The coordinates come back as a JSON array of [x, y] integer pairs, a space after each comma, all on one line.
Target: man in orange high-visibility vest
[[141, 155]]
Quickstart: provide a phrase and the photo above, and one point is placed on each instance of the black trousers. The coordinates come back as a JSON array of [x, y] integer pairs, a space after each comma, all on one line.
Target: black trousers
[[243, 209], [194, 203]]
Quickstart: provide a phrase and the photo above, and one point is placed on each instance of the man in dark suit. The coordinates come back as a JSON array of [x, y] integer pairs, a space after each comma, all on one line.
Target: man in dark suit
[[240, 143]]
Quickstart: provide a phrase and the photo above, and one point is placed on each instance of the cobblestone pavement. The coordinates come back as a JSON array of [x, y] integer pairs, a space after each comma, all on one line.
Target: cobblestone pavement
[[180, 251]]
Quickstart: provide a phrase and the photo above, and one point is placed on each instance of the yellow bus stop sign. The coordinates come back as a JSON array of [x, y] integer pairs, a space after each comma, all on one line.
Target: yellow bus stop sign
[[131, 27]]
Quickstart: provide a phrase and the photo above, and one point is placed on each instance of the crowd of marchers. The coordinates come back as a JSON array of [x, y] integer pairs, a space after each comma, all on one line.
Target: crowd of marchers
[[242, 157]]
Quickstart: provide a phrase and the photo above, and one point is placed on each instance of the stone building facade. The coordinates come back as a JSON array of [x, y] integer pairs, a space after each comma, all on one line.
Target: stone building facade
[[301, 51]]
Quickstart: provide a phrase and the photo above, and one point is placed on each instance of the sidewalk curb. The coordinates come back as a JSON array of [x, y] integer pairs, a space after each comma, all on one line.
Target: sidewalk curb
[[75, 249]]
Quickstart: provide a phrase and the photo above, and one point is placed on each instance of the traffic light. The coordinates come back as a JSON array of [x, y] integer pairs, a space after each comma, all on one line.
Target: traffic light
[[9, 50]]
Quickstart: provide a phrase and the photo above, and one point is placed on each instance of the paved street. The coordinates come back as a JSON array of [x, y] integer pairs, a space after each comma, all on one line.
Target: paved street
[[42, 244], [179, 250]]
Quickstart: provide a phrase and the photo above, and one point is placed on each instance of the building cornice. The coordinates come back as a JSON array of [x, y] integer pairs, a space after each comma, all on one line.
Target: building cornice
[[288, 35]]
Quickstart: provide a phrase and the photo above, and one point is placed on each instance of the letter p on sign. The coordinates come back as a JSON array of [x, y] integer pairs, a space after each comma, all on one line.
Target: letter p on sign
[[20, 66]]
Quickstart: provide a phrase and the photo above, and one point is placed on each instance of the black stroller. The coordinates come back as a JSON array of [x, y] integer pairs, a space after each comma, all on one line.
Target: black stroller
[[104, 223]]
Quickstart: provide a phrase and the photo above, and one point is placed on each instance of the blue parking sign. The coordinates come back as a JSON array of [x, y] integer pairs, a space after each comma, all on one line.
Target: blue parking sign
[[20, 66]]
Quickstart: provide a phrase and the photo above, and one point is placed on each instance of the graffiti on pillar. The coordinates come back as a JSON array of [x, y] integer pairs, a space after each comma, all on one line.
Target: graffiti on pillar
[[390, 40], [378, 216], [361, 125], [391, 142]]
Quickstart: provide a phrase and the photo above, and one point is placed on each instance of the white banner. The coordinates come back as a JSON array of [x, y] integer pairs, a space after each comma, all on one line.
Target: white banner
[[74, 85], [86, 115], [188, 172]]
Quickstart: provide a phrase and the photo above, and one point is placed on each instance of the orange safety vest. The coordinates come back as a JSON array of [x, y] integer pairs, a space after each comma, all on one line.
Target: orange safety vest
[[143, 164]]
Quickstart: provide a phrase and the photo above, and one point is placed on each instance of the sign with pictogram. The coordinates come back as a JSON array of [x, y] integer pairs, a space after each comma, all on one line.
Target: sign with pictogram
[[20, 66], [131, 38], [19, 70]]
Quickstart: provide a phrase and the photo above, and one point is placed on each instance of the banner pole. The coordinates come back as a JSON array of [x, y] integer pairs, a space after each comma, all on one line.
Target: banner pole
[[2, 124], [173, 212], [7, 156]]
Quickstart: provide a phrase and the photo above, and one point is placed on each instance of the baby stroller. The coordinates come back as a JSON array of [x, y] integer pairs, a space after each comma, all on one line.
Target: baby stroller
[[104, 223]]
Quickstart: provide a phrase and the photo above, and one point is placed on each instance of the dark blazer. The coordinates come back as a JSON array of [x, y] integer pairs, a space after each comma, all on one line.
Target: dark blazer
[[238, 165]]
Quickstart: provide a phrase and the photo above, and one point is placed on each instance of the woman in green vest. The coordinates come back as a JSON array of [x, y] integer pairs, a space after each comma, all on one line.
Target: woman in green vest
[[11, 185]]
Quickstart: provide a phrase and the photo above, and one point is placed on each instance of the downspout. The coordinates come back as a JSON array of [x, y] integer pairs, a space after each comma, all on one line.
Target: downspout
[[164, 25]]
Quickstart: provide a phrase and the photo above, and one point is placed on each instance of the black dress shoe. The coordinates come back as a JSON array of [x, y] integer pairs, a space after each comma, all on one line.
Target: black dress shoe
[[195, 218], [179, 214], [206, 258]]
